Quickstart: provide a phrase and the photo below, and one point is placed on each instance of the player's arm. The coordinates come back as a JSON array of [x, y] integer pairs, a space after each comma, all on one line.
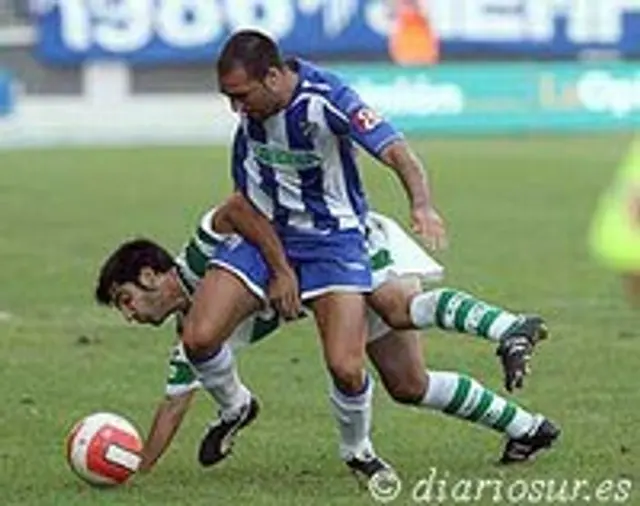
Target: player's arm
[[237, 215], [425, 220], [166, 422], [350, 116], [180, 386]]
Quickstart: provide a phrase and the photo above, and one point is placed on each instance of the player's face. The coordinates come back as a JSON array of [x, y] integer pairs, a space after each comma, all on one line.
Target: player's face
[[145, 302], [256, 98]]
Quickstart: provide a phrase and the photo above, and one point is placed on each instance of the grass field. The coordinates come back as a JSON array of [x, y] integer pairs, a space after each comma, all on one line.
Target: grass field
[[517, 211]]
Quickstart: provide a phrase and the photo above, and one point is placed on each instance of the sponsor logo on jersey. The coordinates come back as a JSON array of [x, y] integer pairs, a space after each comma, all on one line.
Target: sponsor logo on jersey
[[365, 119], [275, 155]]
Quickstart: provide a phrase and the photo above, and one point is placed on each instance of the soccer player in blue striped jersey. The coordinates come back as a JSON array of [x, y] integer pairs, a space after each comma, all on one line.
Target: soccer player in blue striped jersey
[[294, 160]]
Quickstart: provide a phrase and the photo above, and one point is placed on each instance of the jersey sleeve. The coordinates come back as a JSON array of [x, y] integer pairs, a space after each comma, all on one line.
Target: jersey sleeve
[[181, 377], [206, 231], [348, 115]]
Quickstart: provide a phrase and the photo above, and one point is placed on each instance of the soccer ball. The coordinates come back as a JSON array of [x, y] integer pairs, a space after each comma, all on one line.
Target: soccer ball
[[103, 449]]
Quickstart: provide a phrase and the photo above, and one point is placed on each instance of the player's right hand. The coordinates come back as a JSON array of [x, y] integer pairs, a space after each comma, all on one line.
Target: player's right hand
[[427, 223], [284, 293]]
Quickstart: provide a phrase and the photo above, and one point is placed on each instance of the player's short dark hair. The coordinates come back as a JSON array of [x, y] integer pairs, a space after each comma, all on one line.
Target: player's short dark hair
[[252, 50], [125, 264]]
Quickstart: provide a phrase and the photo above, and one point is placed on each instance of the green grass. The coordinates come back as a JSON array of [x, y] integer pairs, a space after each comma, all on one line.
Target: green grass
[[517, 211]]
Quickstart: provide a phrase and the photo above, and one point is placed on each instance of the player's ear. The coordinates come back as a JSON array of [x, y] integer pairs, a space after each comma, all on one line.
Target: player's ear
[[272, 78], [148, 278]]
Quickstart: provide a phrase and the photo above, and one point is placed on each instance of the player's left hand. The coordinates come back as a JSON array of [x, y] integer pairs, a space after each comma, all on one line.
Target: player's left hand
[[284, 293], [427, 223]]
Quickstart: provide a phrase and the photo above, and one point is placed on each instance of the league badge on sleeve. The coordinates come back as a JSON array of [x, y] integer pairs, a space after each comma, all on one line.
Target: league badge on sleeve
[[365, 119]]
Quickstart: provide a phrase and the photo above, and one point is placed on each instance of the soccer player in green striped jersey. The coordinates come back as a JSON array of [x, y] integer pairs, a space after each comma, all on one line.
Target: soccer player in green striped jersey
[[614, 237], [147, 285]]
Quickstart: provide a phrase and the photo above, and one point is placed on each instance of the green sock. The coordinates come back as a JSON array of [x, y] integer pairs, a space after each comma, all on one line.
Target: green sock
[[463, 397], [451, 309]]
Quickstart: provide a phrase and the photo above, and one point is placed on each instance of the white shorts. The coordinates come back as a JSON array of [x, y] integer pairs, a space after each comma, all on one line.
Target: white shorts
[[399, 255]]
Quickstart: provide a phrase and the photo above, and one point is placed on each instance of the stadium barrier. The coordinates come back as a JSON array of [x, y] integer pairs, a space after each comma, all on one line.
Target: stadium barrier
[[7, 93], [445, 99]]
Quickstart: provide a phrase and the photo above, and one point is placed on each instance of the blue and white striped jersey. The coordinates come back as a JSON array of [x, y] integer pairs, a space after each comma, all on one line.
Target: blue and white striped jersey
[[298, 166]]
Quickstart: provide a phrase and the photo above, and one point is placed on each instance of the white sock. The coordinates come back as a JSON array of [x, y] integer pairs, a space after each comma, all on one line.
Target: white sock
[[219, 377], [353, 415], [422, 309], [463, 397]]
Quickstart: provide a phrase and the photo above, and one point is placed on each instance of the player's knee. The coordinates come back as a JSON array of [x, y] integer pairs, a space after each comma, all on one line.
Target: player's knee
[[408, 389], [394, 313], [348, 376], [397, 317], [392, 302], [197, 337]]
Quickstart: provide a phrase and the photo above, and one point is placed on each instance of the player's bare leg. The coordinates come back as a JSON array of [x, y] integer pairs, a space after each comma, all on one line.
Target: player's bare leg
[[340, 318], [221, 302], [398, 358], [408, 306]]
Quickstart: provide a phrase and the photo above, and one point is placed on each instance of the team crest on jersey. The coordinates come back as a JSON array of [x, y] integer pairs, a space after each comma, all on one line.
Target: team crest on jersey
[[365, 119], [308, 129], [232, 241]]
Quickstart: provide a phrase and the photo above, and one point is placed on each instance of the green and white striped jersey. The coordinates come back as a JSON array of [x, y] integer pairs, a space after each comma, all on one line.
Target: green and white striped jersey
[[193, 259]]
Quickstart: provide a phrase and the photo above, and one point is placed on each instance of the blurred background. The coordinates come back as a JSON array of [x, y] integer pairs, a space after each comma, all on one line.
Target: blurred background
[[78, 71]]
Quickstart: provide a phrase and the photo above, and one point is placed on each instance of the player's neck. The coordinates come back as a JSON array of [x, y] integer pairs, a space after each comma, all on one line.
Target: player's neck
[[179, 292], [291, 80]]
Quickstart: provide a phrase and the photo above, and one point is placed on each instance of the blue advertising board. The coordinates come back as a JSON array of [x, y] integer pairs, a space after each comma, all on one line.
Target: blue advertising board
[[176, 31]]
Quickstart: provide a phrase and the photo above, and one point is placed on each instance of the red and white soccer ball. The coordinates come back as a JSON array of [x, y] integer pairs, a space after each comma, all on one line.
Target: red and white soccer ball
[[103, 449]]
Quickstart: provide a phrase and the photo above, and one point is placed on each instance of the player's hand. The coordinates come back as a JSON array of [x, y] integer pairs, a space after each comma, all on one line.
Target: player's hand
[[284, 293], [146, 462], [427, 223]]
